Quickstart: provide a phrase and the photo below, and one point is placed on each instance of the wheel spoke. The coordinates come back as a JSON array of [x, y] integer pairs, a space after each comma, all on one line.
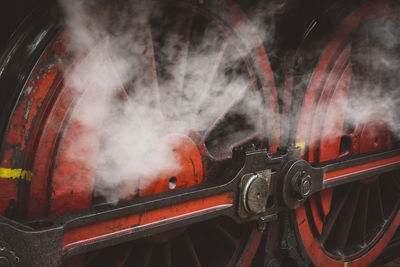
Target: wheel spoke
[[359, 229], [192, 250], [114, 256], [326, 200], [153, 81], [376, 202], [224, 234], [124, 258], [122, 92], [166, 255], [212, 75], [182, 57], [333, 215], [220, 112], [92, 256], [315, 210], [147, 257], [345, 220], [379, 195], [144, 87], [171, 50]]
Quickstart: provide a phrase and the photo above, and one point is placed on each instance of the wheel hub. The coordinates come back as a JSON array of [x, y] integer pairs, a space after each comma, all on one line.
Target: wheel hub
[[190, 154]]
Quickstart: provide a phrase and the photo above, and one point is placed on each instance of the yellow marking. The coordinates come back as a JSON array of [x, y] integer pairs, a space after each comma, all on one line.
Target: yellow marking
[[345, 264], [302, 145], [15, 174]]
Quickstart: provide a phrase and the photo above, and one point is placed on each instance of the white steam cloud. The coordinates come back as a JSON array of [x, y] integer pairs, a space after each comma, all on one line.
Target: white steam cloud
[[150, 84], [142, 111]]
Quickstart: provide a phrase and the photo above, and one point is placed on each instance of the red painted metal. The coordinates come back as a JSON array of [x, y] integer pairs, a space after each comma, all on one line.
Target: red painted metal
[[134, 222], [326, 200], [251, 248], [24, 128], [191, 170], [65, 156], [74, 163], [47, 137], [372, 10], [153, 83], [320, 133], [320, 258], [317, 216], [326, 136], [342, 173]]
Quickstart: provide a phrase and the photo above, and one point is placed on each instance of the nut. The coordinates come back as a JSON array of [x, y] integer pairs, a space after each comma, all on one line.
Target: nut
[[302, 185]]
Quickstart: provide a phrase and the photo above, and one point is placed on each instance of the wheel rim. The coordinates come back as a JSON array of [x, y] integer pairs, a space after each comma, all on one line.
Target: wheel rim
[[54, 129], [351, 223]]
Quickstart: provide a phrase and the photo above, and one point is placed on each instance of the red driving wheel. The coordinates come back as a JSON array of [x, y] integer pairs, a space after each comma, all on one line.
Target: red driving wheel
[[351, 224], [47, 125]]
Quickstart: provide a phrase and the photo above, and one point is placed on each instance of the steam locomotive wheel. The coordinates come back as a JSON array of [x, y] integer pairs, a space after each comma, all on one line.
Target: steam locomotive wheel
[[43, 120], [349, 224]]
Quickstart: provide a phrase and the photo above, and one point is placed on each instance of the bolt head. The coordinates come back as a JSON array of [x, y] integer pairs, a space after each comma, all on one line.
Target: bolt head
[[302, 185], [305, 187]]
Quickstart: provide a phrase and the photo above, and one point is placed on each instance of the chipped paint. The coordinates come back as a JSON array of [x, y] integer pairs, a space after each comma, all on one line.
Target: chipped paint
[[28, 109], [28, 90]]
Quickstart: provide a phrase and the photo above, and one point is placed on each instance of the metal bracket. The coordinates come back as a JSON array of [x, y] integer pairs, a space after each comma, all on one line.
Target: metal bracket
[[260, 187]]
